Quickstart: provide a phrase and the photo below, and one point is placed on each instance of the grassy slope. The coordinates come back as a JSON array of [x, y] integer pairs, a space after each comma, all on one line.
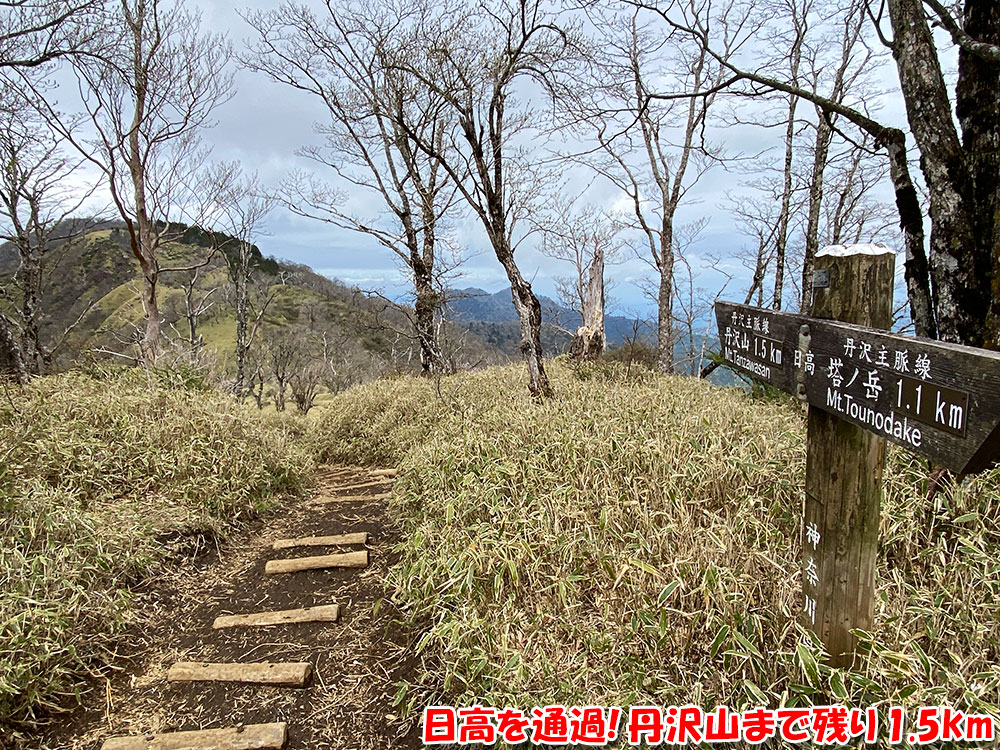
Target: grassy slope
[[633, 541], [637, 541], [101, 479]]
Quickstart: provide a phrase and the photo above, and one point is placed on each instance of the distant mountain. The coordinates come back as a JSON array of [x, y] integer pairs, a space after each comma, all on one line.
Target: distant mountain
[[493, 317]]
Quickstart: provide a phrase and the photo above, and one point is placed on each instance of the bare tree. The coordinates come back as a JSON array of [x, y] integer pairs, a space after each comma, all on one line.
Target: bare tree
[[241, 206], [35, 209], [856, 61], [760, 214], [255, 375], [636, 128], [950, 286], [693, 306], [34, 33], [788, 215], [197, 302], [476, 61], [586, 239], [305, 383], [377, 115], [793, 39], [338, 371], [284, 358], [851, 210], [145, 101]]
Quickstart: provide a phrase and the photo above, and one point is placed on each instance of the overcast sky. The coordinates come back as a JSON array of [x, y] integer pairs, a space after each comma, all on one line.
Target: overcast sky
[[264, 124]]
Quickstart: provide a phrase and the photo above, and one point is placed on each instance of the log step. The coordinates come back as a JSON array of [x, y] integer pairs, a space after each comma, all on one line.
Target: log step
[[391, 473], [249, 737], [363, 486], [344, 560], [322, 613], [348, 498], [360, 537], [294, 674]]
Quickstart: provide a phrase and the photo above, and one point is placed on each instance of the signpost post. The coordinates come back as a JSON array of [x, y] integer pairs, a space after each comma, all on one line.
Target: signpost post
[[844, 464], [863, 386]]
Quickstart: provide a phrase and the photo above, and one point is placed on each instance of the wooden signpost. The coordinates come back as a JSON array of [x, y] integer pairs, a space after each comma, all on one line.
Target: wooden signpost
[[863, 386]]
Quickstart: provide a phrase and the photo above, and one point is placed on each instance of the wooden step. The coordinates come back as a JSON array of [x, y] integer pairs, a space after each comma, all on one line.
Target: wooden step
[[249, 737], [384, 472], [347, 498], [295, 564], [360, 537], [362, 486], [294, 674], [341, 475], [321, 613]]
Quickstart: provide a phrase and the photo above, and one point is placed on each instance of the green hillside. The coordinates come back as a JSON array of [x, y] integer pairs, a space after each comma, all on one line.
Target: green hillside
[[92, 310]]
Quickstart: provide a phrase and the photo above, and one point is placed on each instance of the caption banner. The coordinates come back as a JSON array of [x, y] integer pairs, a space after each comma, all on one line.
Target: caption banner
[[678, 725]]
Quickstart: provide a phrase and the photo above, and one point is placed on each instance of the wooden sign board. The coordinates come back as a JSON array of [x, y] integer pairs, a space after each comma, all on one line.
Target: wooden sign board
[[939, 400]]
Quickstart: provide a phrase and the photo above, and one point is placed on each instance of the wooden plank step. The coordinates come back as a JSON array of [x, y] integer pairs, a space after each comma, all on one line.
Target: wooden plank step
[[384, 472], [362, 486], [295, 674], [348, 498], [341, 475], [344, 560], [249, 737], [322, 613], [360, 537]]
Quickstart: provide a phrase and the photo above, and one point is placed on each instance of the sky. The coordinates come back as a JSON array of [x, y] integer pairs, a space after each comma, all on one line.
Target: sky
[[264, 124]]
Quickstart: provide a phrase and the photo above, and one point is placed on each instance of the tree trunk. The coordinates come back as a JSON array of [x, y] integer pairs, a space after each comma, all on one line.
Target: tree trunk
[[427, 302], [593, 311], [192, 324], [256, 388], [151, 308], [665, 325], [781, 237], [665, 300], [529, 312], [977, 105], [242, 313], [590, 341], [960, 270], [10, 351], [760, 269], [915, 268], [143, 243], [31, 343], [821, 153], [425, 312]]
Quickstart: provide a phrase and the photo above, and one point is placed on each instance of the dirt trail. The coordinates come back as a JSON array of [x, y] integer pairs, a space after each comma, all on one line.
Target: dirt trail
[[357, 662]]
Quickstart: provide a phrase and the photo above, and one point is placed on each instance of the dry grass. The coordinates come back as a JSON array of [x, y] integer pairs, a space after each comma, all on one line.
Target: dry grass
[[355, 664], [636, 540], [102, 478]]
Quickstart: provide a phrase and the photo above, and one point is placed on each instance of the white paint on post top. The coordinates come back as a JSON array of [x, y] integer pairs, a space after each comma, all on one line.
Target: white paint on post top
[[842, 251]]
